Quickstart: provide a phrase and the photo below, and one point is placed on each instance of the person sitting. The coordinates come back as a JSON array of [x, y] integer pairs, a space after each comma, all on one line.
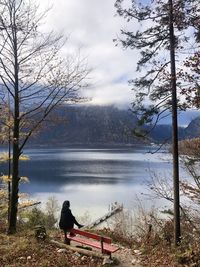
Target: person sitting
[[67, 220]]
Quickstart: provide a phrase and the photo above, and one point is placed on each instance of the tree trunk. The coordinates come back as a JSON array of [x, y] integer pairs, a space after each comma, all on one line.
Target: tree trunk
[[15, 187], [16, 151], [177, 231], [9, 159], [15, 167]]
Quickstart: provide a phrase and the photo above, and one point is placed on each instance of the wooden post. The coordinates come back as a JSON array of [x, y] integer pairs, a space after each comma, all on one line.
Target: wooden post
[[101, 240]]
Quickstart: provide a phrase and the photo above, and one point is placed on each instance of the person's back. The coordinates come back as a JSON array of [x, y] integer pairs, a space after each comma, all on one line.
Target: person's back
[[67, 220]]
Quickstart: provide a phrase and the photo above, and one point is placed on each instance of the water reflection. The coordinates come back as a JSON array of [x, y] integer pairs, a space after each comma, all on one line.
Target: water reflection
[[90, 178]]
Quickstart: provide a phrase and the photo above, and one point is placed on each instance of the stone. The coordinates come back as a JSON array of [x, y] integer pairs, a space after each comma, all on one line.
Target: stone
[[107, 261], [137, 251], [29, 258], [134, 262], [77, 254], [83, 258], [61, 250], [22, 258]]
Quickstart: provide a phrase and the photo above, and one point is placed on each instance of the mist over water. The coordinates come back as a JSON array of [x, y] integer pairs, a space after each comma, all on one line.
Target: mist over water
[[92, 178]]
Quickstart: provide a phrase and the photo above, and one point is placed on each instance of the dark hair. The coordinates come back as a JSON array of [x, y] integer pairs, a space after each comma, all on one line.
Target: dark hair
[[66, 204]]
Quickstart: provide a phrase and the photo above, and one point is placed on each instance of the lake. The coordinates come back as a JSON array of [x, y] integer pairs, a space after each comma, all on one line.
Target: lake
[[92, 178]]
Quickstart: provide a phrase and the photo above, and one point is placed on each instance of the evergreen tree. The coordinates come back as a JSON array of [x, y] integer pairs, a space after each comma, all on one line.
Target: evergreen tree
[[152, 87], [167, 27]]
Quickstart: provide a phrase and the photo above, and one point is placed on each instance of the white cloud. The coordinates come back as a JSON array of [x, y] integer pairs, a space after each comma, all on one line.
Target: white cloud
[[111, 94], [92, 26]]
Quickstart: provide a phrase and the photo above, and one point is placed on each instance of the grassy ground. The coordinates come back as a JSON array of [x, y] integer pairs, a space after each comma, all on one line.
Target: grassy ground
[[157, 249], [24, 250]]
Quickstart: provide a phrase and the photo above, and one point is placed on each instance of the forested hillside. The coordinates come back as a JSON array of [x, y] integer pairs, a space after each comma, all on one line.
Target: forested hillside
[[88, 125], [193, 129], [102, 125]]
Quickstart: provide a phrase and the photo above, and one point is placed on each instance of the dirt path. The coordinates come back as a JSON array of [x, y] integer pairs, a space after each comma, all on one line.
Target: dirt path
[[127, 258]]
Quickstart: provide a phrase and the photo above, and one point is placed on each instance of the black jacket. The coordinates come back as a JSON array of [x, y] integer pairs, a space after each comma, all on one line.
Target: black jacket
[[67, 220]]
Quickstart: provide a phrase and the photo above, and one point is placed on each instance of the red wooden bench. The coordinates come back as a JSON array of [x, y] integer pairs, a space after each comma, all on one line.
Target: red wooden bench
[[93, 240]]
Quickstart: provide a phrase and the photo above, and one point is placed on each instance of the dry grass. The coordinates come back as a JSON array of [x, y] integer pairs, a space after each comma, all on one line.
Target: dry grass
[[190, 147], [23, 249], [155, 244], [153, 237], [159, 250]]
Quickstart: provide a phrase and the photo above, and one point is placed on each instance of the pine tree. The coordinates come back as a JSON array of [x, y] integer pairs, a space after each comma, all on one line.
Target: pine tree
[[152, 87], [166, 30]]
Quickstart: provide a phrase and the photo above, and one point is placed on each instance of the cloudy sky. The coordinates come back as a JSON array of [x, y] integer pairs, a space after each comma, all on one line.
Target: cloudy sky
[[91, 26]]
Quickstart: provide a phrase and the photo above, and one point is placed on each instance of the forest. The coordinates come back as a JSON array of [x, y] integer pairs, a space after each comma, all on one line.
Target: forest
[[103, 125], [46, 85]]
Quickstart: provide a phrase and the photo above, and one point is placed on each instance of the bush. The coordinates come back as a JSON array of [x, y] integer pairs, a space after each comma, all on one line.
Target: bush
[[36, 216]]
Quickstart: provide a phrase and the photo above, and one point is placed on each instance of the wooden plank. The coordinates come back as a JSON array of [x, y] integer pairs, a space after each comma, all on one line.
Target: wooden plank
[[92, 235], [79, 250], [115, 209], [93, 243]]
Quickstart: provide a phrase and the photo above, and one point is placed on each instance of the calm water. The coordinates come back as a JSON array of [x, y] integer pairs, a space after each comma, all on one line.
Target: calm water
[[91, 178]]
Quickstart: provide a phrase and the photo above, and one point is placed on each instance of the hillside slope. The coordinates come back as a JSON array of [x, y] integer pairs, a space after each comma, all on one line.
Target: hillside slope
[[102, 125], [88, 125]]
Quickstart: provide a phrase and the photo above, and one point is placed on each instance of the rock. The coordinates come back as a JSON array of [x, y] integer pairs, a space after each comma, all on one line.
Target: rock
[[134, 262], [84, 258], [22, 258], [77, 254], [61, 250], [29, 258], [107, 261], [137, 251], [40, 232]]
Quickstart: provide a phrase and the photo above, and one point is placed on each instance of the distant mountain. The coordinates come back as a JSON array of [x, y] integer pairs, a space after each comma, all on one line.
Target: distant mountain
[[102, 125], [88, 125], [163, 132], [193, 129]]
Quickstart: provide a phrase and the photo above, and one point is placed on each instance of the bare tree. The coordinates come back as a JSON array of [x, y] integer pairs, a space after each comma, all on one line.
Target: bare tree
[[35, 76]]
